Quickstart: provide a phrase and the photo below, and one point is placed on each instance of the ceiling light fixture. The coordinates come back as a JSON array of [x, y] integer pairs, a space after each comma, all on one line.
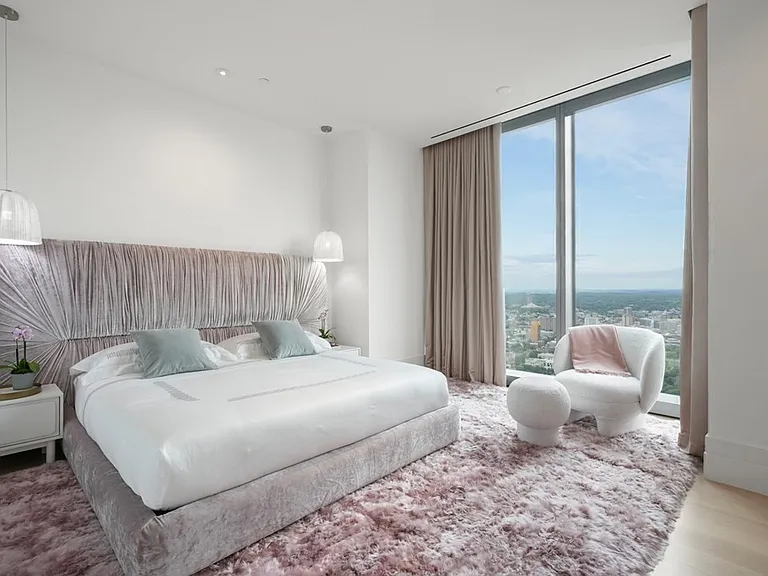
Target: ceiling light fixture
[[503, 90], [264, 80], [222, 71], [328, 246], [19, 221]]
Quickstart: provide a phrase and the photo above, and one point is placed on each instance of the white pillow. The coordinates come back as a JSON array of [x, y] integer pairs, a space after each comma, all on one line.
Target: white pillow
[[124, 358], [249, 347], [320, 344], [218, 355], [245, 347], [120, 355]]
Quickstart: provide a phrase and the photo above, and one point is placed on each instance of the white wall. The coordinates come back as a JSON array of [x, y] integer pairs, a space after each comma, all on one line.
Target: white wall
[[106, 156], [377, 209], [737, 442], [396, 249], [348, 201]]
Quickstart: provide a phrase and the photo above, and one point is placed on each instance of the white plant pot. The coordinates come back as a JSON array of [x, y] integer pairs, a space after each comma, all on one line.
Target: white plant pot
[[23, 381]]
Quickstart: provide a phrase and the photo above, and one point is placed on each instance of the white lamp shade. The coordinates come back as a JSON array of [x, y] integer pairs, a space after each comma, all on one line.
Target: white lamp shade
[[328, 247], [19, 222]]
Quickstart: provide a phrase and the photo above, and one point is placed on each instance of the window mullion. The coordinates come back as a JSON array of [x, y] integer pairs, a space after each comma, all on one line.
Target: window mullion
[[565, 241], [569, 283]]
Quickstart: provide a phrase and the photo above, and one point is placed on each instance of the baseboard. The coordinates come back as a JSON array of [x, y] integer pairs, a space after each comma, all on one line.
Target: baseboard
[[739, 465], [414, 360]]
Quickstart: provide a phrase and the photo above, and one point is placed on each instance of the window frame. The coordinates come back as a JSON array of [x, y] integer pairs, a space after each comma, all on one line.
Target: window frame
[[565, 251]]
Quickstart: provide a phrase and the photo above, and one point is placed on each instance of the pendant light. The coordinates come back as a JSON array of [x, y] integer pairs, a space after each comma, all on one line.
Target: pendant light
[[19, 222], [328, 246]]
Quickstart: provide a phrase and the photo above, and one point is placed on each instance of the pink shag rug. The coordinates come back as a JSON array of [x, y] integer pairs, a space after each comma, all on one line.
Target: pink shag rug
[[488, 504]]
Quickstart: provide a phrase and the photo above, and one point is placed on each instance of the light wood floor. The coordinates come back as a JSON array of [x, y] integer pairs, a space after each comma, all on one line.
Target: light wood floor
[[723, 531]]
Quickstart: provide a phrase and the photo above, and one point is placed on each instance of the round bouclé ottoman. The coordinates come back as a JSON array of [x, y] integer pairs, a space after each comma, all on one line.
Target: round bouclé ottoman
[[539, 405]]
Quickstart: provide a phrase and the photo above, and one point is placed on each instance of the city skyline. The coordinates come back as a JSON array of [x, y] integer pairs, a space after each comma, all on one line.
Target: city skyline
[[631, 162], [530, 324]]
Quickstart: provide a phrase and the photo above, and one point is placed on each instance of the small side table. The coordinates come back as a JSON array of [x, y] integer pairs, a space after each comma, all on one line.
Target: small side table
[[344, 349], [32, 422]]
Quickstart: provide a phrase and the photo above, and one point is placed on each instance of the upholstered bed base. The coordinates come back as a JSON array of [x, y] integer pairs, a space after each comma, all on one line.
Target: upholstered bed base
[[188, 539]]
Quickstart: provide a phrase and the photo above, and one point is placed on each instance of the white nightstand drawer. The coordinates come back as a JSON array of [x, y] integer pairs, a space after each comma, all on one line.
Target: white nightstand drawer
[[29, 421], [345, 349]]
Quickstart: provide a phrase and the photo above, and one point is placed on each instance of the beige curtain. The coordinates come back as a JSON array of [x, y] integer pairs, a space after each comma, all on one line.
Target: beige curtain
[[693, 345], [465, 302]]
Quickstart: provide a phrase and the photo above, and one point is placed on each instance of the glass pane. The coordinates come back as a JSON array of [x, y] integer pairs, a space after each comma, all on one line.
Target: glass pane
[[631, 164], [528, 245]]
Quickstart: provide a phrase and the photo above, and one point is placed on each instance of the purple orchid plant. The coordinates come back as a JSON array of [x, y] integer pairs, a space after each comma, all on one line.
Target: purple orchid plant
[[22, 365]]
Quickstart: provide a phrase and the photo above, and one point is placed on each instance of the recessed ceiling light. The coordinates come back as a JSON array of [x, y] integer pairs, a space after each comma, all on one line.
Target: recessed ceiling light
[[222, 71], [264, 80], [503, 90]]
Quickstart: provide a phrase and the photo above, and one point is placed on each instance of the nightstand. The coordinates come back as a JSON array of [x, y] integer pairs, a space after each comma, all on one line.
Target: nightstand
[[343, 349], [32, 422]]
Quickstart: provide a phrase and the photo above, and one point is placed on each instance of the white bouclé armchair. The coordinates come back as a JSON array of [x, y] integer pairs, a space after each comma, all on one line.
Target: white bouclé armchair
[[619, 404]]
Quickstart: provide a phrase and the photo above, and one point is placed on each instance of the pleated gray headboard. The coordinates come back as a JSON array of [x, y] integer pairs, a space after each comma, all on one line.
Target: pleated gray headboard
[[81, 297]]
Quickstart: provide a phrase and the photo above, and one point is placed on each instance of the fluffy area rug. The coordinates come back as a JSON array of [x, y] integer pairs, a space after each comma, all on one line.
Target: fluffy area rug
[[488, 504]]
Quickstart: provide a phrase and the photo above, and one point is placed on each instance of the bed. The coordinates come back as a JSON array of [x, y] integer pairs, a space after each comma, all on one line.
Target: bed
[[239, 452], [259, 417]]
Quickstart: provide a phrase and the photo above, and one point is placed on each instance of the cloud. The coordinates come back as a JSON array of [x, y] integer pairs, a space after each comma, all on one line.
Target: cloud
[[671, 279], [593, 272], [646, 133], [540, 259], [639, 280], [529, 259]]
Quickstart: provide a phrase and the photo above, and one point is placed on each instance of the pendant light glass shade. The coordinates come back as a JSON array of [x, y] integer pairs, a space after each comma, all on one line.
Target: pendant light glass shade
[[328, 247], [19, 222]]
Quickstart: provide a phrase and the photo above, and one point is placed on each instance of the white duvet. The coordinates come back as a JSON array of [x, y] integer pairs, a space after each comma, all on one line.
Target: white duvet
[[180, 438]]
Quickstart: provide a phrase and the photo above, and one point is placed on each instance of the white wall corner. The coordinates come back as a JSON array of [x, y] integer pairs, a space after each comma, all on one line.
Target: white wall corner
[[735, 464], [418, 360]]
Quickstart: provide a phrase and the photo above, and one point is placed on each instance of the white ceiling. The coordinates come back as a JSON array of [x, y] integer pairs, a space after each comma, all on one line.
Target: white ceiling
[[414, 68]]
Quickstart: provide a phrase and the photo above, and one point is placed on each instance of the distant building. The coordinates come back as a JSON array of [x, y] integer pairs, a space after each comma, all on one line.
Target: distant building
[[545, 363], [591, 320], [547, 323], [535, 333]]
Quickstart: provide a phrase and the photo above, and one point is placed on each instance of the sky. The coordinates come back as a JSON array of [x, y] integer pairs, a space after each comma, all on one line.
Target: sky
[[631, 164]]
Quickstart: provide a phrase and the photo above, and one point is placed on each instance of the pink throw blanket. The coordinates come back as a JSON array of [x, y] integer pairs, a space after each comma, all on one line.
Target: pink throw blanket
[[596, 350]]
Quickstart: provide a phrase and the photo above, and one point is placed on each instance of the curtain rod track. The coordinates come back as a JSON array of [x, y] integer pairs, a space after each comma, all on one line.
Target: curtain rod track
[[659, 59]]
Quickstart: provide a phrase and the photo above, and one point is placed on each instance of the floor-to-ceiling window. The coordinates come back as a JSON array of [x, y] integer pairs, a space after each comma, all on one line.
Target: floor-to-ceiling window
[[528, 238], [593, 217]]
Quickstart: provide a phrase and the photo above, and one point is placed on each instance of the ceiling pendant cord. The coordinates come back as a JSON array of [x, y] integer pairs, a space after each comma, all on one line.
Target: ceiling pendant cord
[[7, 128]]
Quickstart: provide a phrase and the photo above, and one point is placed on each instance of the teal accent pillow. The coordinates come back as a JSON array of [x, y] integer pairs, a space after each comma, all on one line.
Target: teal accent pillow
[[166, 352], [284, 339]]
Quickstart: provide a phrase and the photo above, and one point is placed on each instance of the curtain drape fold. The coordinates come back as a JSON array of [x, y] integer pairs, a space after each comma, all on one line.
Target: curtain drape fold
[[465, 302], [694, 340]]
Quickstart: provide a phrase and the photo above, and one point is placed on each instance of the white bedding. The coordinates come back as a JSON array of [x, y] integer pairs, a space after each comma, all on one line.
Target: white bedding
[[180, 438]]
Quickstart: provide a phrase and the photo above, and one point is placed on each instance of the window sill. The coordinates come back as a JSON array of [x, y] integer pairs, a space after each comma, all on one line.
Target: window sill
[[515, 374], [667, 404]]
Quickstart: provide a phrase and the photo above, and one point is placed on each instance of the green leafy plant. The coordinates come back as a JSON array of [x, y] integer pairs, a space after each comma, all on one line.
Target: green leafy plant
[[22, 365]]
